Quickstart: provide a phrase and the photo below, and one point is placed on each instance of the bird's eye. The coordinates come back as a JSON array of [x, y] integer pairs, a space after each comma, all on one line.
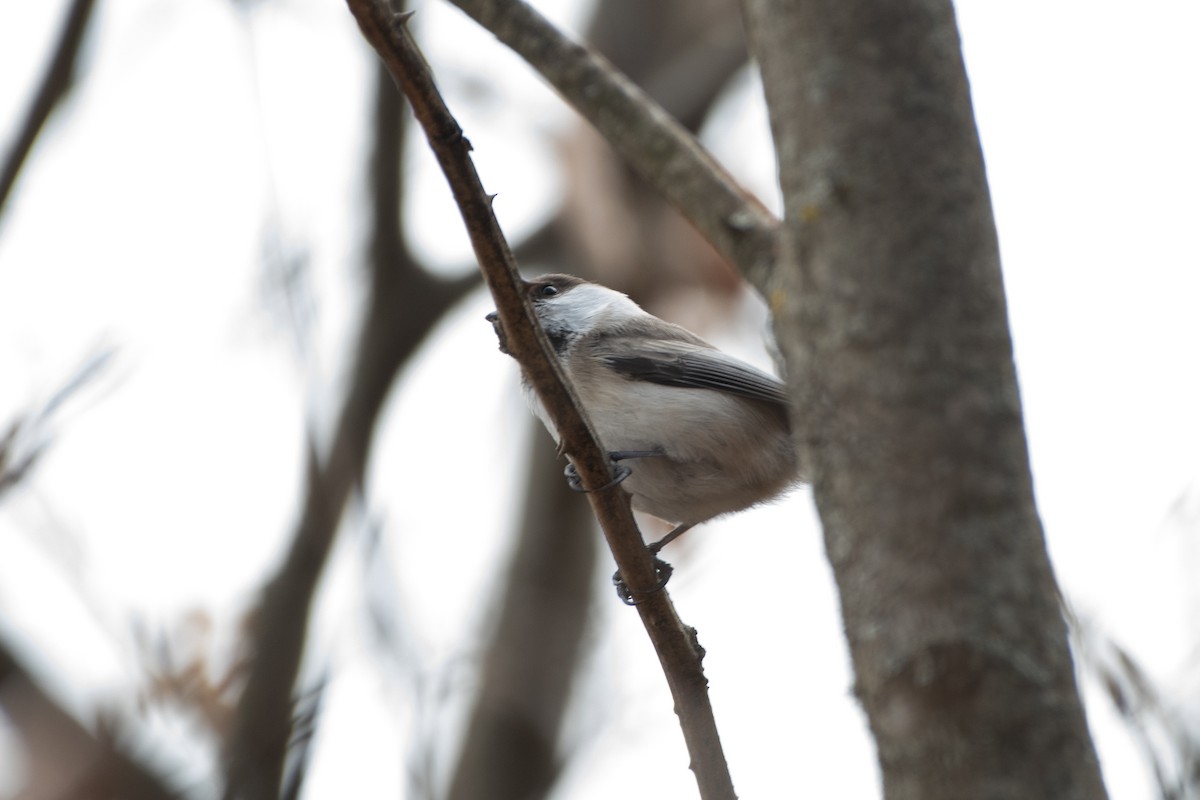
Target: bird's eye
[[548, 291]]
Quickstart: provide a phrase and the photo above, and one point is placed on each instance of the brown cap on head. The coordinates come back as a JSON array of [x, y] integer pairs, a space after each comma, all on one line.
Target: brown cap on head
[[559, 281]]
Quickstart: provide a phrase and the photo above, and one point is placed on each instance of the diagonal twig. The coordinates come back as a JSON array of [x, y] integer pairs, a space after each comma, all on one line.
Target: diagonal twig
[[736, 223], [67, 759], [54, 87], [675, 643]]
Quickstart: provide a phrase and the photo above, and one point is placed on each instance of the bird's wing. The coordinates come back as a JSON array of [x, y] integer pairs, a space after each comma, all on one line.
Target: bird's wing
[[698, 369]]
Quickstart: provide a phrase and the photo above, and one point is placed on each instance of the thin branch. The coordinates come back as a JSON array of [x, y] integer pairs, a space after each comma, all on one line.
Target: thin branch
[[405, 303], [736, 223], [68, 760], [678, 652], [28, 436], [54, 88], [510, 746], [1155, 718]]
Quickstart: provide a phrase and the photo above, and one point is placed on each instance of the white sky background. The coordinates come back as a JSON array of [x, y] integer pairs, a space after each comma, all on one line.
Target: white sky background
[[172, 481]]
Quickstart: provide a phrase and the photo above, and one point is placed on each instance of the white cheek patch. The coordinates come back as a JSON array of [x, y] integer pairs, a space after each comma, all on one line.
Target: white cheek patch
[[582, 308]]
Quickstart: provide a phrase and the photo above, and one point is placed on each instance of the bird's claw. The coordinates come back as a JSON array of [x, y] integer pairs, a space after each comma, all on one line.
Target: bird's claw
[[620, 473], [632, 598]]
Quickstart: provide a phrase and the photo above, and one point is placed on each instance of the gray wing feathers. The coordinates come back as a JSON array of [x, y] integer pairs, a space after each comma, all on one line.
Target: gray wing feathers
[[701, 370]]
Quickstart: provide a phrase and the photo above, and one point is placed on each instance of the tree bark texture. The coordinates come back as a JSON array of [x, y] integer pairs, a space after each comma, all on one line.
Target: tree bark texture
[[891, 314]]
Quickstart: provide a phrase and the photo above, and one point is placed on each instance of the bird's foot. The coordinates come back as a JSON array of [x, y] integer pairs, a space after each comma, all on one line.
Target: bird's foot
[[631, 597], [620, 471]]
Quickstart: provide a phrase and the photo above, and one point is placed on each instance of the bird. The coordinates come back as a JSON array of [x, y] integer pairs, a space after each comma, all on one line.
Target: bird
[[705, 433]]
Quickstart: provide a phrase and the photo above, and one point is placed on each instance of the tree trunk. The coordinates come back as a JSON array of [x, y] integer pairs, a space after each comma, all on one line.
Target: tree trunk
[[891, 315]]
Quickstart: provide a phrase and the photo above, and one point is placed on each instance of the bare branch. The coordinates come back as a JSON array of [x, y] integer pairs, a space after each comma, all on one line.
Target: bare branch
[[1157, 721], [509, 749], [737, 224], [675, 644], [28, 436], [54, 88], [67, 759], [684, 59], [15, 461], [405, 303]]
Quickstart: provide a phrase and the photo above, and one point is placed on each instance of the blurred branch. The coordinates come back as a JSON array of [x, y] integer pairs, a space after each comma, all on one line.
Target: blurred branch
[[27, 436], [621, 230], [404, 305], [66, 760], [659, 148], [1156, 721], [55, 86], [689, 84], [509, 748], [682, 52], [15, 461], [305, 729], [675, 644]]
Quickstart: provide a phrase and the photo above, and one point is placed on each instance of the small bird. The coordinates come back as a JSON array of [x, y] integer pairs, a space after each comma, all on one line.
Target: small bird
[[708, 432]]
